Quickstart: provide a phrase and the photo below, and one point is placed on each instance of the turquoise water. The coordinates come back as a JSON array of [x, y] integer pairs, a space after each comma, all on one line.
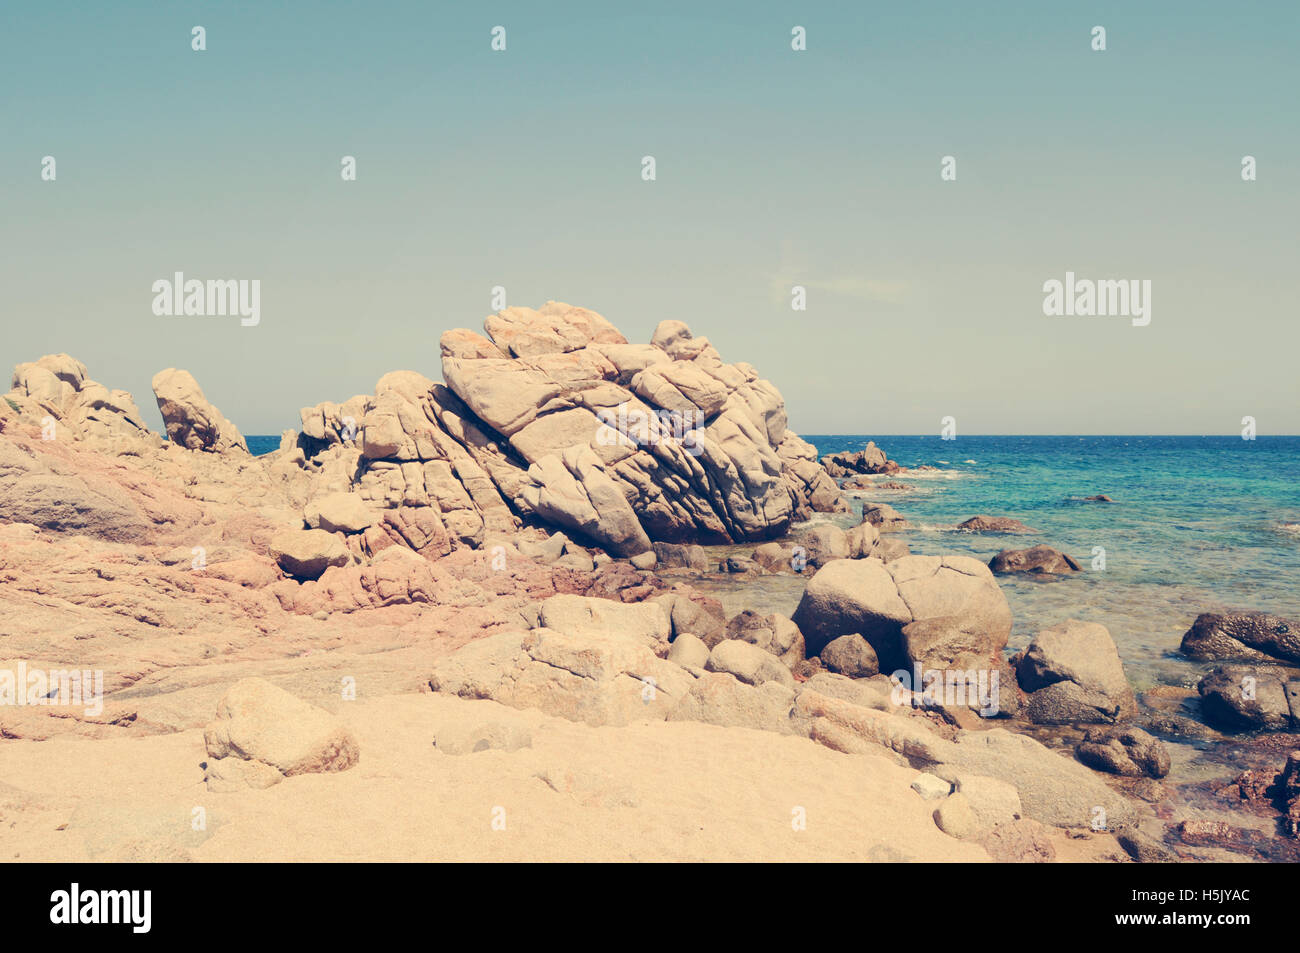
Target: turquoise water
[[1198, 524]]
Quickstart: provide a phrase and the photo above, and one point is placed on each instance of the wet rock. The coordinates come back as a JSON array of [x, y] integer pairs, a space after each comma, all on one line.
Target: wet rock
[[1037, 559], [1248, 636], [773, 557], [681, 556], [884, 517], [993, 524], [824, 543], [1130, 752], [871, 459], [864, 541], [738, 565], [1238, 697]]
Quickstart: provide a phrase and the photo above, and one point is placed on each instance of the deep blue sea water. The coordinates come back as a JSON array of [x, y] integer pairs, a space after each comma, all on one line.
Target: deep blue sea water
[[259, 444], [1198, 524]]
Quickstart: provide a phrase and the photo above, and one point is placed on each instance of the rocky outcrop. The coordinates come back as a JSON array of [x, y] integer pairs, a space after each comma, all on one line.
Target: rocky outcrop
[[1072, 674], [588, 660], [883, 517], [55, 395], [1037, 559], [870, 459], [192, 422], [1245, 636], [774, 634], [553, 418]]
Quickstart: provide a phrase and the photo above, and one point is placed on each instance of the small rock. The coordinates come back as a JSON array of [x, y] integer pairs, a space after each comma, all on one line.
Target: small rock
[[931, 788], [851, 655]]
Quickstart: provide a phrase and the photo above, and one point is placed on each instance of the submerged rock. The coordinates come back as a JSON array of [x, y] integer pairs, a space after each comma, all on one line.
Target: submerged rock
[[1036, 559], [993, 524], [1131, 752]]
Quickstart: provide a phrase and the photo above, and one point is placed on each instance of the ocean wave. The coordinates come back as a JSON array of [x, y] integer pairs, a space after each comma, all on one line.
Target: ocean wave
[[929, 474], [1289, 529]]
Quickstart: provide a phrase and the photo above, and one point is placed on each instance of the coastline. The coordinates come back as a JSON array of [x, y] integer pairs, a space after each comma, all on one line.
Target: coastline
[[477, 566]]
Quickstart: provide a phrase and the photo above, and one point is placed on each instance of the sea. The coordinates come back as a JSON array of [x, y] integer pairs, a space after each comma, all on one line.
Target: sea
[[1198, 524]]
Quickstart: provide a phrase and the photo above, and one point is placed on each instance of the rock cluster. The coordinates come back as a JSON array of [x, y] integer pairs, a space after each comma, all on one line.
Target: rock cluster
[[555, 418], [938, 612], [871, 459]]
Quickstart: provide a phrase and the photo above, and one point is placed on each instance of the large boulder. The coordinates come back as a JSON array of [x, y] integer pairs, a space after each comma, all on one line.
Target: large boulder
[[277, 734], [1131, 752], [308, 553], [553, 418], [339, 513], [749, 663], [55, 389], [1078, 667], [681, 556], [823, 543], [877, 600], [1244, 636], [853, 595], [1052, 789], [1246, 697], [192, 422], [719, 698]]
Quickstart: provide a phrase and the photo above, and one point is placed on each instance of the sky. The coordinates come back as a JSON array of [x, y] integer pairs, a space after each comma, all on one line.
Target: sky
[[820, 168]]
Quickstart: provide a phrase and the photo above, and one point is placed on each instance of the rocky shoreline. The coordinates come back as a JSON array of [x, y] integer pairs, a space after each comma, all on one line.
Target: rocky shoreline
[[499, 586]]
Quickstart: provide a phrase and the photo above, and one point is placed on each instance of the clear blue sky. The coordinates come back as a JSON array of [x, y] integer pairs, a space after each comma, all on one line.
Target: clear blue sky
[[775, 168]]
